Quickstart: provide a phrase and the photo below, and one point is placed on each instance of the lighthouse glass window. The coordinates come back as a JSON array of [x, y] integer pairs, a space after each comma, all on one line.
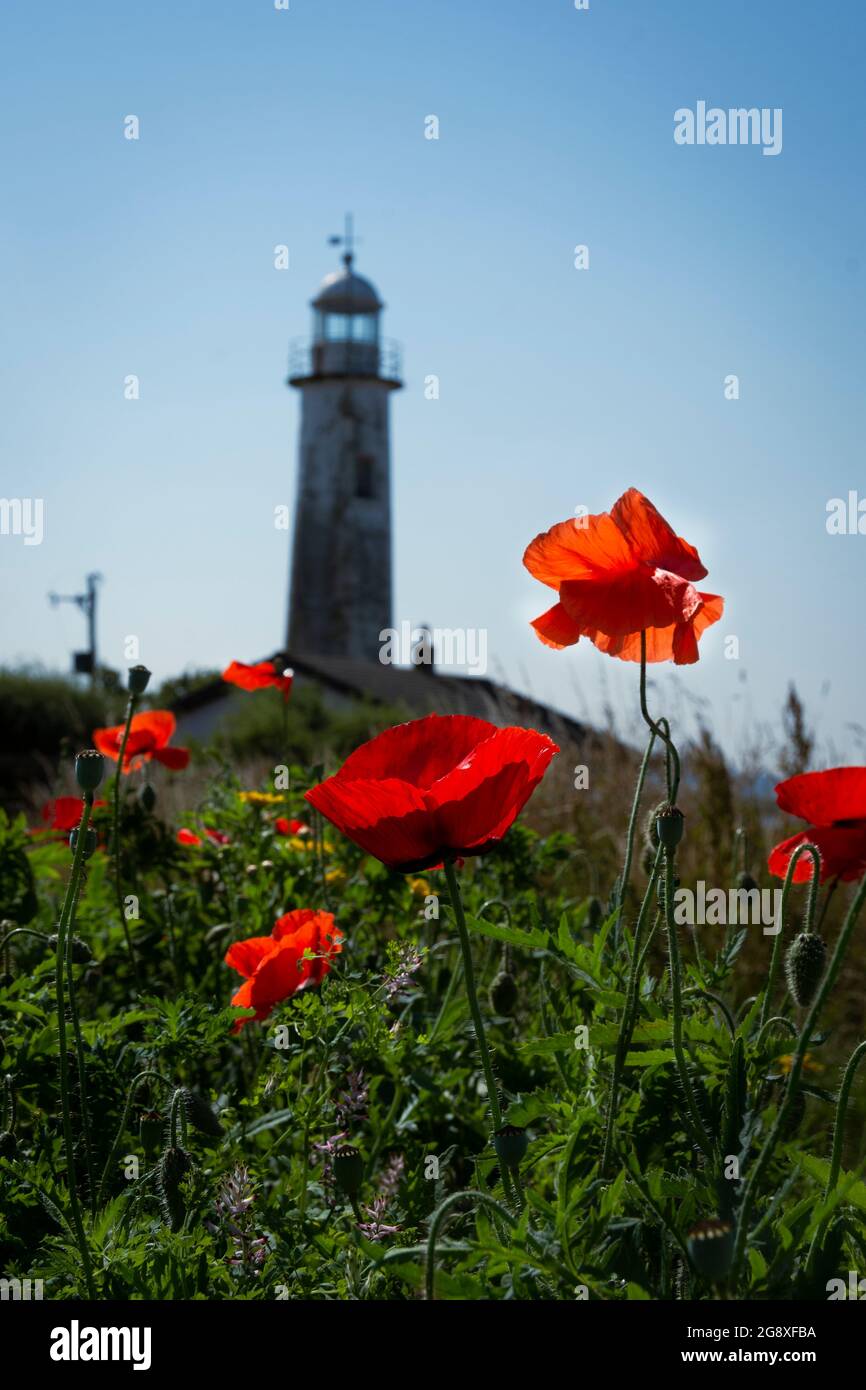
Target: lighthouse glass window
[[343, 328]]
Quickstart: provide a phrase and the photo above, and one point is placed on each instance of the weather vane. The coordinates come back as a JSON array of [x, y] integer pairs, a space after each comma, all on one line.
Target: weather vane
[[348, 240]]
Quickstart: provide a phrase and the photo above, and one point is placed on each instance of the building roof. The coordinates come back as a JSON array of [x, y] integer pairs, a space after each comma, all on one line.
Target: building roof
[[345, 292]]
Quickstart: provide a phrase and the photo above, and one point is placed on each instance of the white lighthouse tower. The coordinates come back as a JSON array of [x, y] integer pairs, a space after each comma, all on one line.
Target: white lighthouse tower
[[340, 598]]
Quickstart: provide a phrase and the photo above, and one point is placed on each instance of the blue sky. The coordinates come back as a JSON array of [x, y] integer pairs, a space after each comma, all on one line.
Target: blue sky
[[558, 387]]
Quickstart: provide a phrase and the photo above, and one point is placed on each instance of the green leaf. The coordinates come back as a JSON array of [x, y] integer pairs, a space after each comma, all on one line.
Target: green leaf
[[532, 940]]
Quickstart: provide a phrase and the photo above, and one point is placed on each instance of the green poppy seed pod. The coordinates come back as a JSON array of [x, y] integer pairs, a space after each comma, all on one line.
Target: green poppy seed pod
[[670, 823], [348, 1167], [747, 882], [89, 769], [79, 951], [200, 1115], [594, 913], [137, 679], [711, 1248], [510, 1144], [150, 1131], [804, 966], [8, 1144], [147, 797], [90, 841], [503, 993]]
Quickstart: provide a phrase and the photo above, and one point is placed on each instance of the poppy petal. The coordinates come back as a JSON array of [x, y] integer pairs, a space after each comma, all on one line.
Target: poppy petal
[[175, 758], [420, 751], [842, 850], [823, 798], [556, 629], [629, 600], [581, 548], [650, 537], [246, 956]]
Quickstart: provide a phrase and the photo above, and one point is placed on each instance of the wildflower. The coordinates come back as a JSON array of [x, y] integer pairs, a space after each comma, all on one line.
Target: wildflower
[[618, 574], [375, 1228], [260, 798], [392, 1176], [435, 787], [419, 887], [352, 1105], [189, 837], [335, 878], [149, 734], [233, 1206], [290, 827], [834, 805], [277, 966], [786, 1063], [64, 813], [400, 977], [329, 1148], [259, 676]]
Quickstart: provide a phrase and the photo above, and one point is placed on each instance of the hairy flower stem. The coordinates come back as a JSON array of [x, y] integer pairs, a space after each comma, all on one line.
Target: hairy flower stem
[[696, 1124], [118, 884], [821, 996], [776, 958], [471, 993], [632, 823], [477, 1020], [629, 1016], [149, 1075], [438, 1217], [63, 930], [838, 1138], [661, 728]]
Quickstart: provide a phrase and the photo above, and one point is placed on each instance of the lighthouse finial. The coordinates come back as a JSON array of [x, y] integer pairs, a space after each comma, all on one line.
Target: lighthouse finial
[[348, 240]]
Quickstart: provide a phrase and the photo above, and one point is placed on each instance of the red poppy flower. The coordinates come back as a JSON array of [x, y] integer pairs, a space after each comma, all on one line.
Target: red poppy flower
[[189, 837], [620, 573], [64, 813], [434, 788], [259, 676], [274, 966], [834, 804], [149, 734], [290, 827]]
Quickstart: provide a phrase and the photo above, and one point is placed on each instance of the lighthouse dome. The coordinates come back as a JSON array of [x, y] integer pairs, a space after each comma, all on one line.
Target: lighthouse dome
[[345, 292]]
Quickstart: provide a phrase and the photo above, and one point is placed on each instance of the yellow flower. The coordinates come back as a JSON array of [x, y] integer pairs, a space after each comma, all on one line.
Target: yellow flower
[[261, 798], [419, 887], [336, 877], [786, 1063]]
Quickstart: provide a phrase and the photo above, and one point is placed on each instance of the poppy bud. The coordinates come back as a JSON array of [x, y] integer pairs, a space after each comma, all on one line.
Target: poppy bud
[[594, 913], [79, 951], [8, 1144], [89, 769], [670, 822], [503, 993], [510, 1144], [173, 1165], [348, 1168], [90, 841], [147, 797], [804, 966], [137, 679], [150, 1129], [746, 882], [711, 1248], [200, 1115]]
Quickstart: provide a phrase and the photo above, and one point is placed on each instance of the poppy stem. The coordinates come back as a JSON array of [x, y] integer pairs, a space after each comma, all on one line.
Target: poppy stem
[[629, 1016], [471, 992], [137, 1081], [63, 929], [632, 823], [838, 1136], [776, 958], [130, 710], [758, 1168], [695, 1123], [661, 728]]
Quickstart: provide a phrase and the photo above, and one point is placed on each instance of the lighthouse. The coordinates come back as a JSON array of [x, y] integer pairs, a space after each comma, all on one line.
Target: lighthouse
[[340, 591]]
